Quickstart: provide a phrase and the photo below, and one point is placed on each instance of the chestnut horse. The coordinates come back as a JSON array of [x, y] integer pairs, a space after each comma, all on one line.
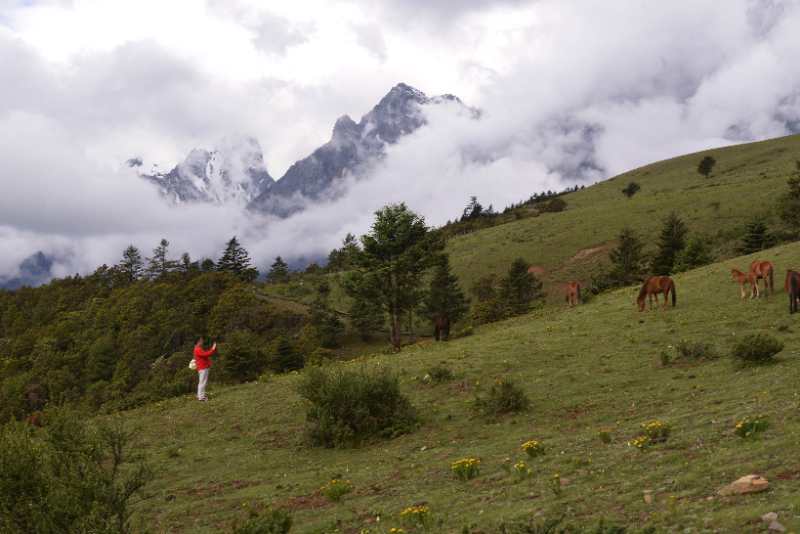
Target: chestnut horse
[[792, 286], [742, 278], [652, 287], [572, 291], [763, 270]]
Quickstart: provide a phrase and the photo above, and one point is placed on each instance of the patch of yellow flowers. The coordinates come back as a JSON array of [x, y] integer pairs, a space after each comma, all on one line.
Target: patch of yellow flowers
[[533, 448], [522, 470], [640, 442], [396, 530], [655, 431], [466, 468], [415, 515]]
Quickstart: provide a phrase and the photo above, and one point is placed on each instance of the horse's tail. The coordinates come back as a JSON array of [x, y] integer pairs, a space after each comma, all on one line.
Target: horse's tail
[[792, 292], [674, 296], [643, 291]]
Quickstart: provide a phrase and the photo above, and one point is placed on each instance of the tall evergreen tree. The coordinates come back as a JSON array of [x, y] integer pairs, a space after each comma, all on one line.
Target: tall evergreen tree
[[396, 252], [131, 266], [160, 264], [236, 260], [327, 324], [706, 165], [343, 259], [186, 265], [444, 303], [696, 254], [208, 265], [790, 202], [627, 259], [756, 237], [520, 288], [473, 209], [671, 243], [279, 271]]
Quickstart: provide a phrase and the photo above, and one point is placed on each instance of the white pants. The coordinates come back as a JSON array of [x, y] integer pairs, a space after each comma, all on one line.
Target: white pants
[[202, 380]]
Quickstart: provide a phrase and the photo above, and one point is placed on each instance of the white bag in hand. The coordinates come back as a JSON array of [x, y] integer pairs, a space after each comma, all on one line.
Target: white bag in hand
[[193, 365]]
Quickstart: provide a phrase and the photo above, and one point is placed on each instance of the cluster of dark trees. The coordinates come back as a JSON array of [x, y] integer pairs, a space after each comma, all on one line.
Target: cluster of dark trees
[[515, 293]]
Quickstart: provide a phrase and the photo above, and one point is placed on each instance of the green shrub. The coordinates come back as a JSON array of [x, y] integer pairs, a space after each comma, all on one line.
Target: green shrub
[[241, 357], [757, 348], [439, 374], [272, 522], [68, 476], [504, 397], [336, 489], [695, 350], [349, 407], [750, 426]]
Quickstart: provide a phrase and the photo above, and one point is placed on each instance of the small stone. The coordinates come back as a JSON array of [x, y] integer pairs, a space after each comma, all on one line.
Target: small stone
[[424, 448], [564, 481], [769, 517], [776, 527], [744, 485], [648, 496]]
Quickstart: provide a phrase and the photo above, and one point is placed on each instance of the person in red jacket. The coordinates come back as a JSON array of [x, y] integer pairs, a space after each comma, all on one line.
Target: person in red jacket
[[202, 359]]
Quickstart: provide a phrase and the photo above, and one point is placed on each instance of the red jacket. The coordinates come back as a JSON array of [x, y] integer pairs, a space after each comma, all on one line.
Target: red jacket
[[203, 357]]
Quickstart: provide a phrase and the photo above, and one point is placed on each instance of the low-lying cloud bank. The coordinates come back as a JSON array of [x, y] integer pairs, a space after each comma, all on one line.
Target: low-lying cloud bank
[[569, 93]]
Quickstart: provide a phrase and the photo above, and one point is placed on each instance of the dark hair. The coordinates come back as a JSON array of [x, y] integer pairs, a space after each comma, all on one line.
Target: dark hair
[[200, 340]]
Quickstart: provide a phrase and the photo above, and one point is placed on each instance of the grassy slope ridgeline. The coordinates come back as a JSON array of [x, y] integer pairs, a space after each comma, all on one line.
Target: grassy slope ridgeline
[[746, 181], [585, 369]]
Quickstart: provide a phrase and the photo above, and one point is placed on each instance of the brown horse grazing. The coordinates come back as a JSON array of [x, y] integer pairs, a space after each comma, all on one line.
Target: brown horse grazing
[[441, 328], [763, 270], [652, 287], [792, 286], [742, 278], [572, 292]]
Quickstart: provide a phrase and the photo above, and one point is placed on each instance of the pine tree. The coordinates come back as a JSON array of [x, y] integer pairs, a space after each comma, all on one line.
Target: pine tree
[[697, 254], [445, 303], [756, 237], [473, 209], [278, 272], [790, 202], [397, 251], [519, 288], [131, 266], [627, 259], [706, 165], [236, 260], [671, 243], [186, 265], [327, 324], [208, 265], [160, 264]]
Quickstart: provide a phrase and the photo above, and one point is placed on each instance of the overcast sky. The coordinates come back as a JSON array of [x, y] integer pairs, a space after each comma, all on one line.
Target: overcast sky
[[86, 85]]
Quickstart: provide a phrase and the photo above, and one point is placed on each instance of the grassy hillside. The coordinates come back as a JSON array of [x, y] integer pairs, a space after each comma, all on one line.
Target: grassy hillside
[[587, 369], [745, 182]]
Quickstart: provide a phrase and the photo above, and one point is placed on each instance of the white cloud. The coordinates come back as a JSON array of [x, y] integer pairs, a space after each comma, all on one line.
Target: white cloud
[[88, 84]]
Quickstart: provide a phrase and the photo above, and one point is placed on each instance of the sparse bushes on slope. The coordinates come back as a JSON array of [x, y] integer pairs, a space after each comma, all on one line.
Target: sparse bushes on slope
[[349, 407], [272, 522], [504, 397], [757, 348]]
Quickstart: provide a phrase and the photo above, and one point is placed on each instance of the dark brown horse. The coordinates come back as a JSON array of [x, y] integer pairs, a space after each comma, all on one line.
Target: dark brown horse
[[652, 287], [745, 278], [792, 286], [441, 327], [763, 270], [572, 292]]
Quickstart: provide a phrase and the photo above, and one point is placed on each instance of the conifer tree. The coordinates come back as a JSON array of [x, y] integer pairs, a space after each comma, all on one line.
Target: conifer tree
[[131, 266], [445, 303], [631, 189], [279, 271], [706, 165], [519, 288], [756, 237], [671, 243], [160, 264], [627, 259], [236, 260]]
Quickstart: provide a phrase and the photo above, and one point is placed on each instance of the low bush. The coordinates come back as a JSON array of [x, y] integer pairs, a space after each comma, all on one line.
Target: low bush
[[439, 374], [757, 348], [336, 489], [349, 407], [695, 350], [272, 522], [750, 426], [241, 357], [504, 397], [466, 468]]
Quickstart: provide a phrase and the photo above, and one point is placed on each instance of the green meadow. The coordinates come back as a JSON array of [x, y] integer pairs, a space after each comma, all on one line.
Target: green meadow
[[600, 368]]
